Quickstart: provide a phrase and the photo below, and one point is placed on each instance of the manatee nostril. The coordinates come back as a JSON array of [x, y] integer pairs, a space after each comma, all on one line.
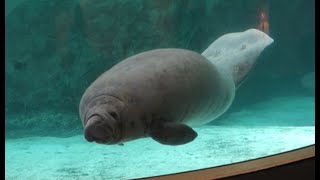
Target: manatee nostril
[[99, 130], [113, 114], [97, 133], [88, 136]]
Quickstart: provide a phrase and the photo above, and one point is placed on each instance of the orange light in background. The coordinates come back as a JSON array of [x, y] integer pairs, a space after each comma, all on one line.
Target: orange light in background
[[264, 17], [263, 22]]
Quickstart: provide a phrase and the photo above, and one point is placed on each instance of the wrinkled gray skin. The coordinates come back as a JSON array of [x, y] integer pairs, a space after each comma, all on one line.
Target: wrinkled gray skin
[[163, 93], [157, 94]]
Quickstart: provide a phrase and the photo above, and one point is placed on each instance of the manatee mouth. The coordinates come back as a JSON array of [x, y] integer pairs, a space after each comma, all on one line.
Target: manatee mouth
[[102, 131]]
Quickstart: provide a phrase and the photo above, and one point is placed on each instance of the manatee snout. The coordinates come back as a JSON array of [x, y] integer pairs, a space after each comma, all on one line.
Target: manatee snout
[[100, 130]]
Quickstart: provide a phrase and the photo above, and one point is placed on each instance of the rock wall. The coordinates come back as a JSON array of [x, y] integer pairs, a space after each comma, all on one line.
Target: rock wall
[[55, 49]]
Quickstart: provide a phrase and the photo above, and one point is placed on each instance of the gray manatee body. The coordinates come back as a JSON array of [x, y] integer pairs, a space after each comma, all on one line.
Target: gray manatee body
[[162, 93], [157, 93]]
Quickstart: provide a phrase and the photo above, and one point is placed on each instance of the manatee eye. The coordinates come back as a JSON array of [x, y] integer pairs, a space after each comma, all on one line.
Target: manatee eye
[[114, 115]]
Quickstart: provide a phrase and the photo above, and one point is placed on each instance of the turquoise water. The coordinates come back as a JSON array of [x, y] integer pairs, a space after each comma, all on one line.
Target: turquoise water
[[56, 49]]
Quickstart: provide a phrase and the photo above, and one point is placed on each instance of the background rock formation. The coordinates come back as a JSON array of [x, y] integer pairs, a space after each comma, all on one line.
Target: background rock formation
[[55, 49]]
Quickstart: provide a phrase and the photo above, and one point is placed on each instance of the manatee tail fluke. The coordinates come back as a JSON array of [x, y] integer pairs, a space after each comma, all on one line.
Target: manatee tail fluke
[[236, 53]]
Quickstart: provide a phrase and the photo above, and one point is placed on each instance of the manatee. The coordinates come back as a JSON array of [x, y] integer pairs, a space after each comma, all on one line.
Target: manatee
[[164, 93]]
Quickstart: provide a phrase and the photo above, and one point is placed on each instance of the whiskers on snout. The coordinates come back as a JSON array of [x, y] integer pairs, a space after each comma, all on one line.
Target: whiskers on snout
[[99, 130]]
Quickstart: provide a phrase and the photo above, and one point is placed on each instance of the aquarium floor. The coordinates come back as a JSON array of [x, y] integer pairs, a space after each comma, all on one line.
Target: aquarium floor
[[74, 158], [247, 134]]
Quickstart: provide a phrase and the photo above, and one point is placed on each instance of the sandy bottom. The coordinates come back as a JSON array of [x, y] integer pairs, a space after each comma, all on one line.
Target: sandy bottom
[[74, 158]]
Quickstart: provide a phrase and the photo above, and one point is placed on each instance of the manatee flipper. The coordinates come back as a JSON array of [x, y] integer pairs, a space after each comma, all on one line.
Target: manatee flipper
[[171, 133]]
